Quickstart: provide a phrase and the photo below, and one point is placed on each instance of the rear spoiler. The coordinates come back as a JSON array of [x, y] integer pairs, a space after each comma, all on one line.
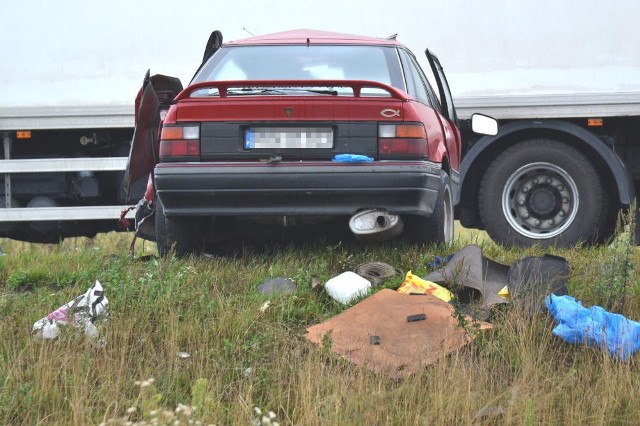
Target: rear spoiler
[[355, 85]]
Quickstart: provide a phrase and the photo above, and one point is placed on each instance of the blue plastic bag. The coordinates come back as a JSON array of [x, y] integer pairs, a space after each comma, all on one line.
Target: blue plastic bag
[[352, 158], [594, 326], [439, 261]]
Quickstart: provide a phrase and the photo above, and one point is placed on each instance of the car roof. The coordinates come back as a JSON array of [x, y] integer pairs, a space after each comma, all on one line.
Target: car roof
[[304, 36]]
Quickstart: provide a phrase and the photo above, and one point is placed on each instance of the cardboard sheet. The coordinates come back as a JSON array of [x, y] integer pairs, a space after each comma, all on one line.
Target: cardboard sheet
[[403, 347]]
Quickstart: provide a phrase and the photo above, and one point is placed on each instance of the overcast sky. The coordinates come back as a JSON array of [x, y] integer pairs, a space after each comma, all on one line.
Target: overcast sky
[[488, 46]]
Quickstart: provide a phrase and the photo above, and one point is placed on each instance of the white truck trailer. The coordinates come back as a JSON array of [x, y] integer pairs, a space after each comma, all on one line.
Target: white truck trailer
[[563, 78]]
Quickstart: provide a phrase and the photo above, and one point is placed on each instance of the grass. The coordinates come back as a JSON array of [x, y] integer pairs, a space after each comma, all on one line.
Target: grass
[[210, 309]]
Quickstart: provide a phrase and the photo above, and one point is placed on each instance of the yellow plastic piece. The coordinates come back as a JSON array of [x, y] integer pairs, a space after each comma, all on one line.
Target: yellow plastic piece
[[415, 284], [504, 293]]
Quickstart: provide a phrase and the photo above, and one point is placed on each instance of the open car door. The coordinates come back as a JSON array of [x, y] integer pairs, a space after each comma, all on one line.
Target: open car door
[[156, 94], [443, 88]]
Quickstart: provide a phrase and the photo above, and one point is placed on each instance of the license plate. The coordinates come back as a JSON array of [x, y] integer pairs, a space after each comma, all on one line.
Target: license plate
[[288, 137]]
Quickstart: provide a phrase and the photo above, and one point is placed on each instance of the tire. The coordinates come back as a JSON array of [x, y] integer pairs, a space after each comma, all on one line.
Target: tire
[[439, 228], [544, 192], [179, 234], [161, 229]]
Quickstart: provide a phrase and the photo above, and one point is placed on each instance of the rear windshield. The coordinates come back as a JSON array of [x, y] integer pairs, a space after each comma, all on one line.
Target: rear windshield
[[300, 62]]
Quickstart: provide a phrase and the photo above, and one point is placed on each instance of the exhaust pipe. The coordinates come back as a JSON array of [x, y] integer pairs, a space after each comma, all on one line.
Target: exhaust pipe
[[375, 225]]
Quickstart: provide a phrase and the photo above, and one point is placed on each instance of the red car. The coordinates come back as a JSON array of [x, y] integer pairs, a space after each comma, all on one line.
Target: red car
[[299, 125]]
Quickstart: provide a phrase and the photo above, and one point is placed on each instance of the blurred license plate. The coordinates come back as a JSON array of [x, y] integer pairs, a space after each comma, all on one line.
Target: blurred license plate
[[288, 137]]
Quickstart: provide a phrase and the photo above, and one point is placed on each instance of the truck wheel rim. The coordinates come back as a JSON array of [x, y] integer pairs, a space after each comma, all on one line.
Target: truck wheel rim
[[540, 200]]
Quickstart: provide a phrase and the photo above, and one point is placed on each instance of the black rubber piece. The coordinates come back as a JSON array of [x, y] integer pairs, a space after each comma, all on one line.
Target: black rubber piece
[[376, 272], [416, 317]]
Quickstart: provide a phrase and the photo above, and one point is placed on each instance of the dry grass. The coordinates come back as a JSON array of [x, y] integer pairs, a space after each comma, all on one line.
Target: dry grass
[[210, 308]]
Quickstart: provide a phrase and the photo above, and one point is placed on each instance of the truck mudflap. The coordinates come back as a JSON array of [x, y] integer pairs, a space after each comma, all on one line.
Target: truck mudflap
[[157, 93]]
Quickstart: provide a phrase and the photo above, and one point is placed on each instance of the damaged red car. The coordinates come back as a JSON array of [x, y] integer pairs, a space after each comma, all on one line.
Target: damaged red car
[[297, 127]]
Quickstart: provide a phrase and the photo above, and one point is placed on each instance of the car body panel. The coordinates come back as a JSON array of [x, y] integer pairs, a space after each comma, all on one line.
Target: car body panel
[[448, 117], [304, 36], [157, 91], [296, 188]]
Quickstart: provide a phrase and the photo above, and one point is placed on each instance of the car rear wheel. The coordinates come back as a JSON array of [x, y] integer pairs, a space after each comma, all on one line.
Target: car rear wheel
[[180, 234], [161, 229], [439, 228], [543, 192]]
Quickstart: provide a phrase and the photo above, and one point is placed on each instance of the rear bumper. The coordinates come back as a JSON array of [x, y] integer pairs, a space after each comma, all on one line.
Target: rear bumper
[[297, 188]]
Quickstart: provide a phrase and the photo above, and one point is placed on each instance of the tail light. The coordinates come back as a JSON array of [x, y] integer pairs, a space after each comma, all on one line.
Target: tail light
[[179, 141], [406, 140]]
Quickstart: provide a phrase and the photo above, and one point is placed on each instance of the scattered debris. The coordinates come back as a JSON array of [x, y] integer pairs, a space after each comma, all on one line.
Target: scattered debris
[[278, 285], [347, 286], [416, 317], [376, 272], [247, 373], [315, 283], [439, 261], [352, 158], [526, 282], [531, 279], [81, 312], [504, 293], [403, 348], [265, 306], [594, 326], [184, 355], [469, 268], [415, 285], [144, 222]]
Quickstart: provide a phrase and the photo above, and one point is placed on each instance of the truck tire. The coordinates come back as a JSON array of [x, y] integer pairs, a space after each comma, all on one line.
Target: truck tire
[[439, 228], [544, 192], [179, 234]]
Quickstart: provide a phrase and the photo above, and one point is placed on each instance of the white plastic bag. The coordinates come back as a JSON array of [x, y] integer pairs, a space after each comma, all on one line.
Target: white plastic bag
[[81, 312]]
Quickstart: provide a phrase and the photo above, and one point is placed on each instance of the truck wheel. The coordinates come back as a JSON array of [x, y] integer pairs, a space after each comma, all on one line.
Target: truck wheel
[[438, 229], [541, 192], [179, 234]]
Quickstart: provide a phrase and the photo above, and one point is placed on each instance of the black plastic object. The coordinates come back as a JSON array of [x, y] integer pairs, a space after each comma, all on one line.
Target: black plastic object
[[416, 317], [529, 279], [469, 268]]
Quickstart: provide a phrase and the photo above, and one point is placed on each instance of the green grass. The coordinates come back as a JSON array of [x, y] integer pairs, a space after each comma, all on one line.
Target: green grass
[[210, 308]]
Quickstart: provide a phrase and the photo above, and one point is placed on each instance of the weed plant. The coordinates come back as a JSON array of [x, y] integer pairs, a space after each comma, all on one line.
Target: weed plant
[[196, 326]]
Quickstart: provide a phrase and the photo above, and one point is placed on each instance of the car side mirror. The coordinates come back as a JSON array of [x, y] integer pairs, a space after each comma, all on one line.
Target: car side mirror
[[484, 125]]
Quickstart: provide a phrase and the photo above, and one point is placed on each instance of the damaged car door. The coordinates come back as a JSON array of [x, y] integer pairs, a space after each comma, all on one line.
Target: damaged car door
[[153, 99]]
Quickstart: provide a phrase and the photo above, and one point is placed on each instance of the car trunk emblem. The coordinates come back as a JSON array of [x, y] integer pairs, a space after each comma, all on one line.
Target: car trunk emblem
[[388, 112]]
